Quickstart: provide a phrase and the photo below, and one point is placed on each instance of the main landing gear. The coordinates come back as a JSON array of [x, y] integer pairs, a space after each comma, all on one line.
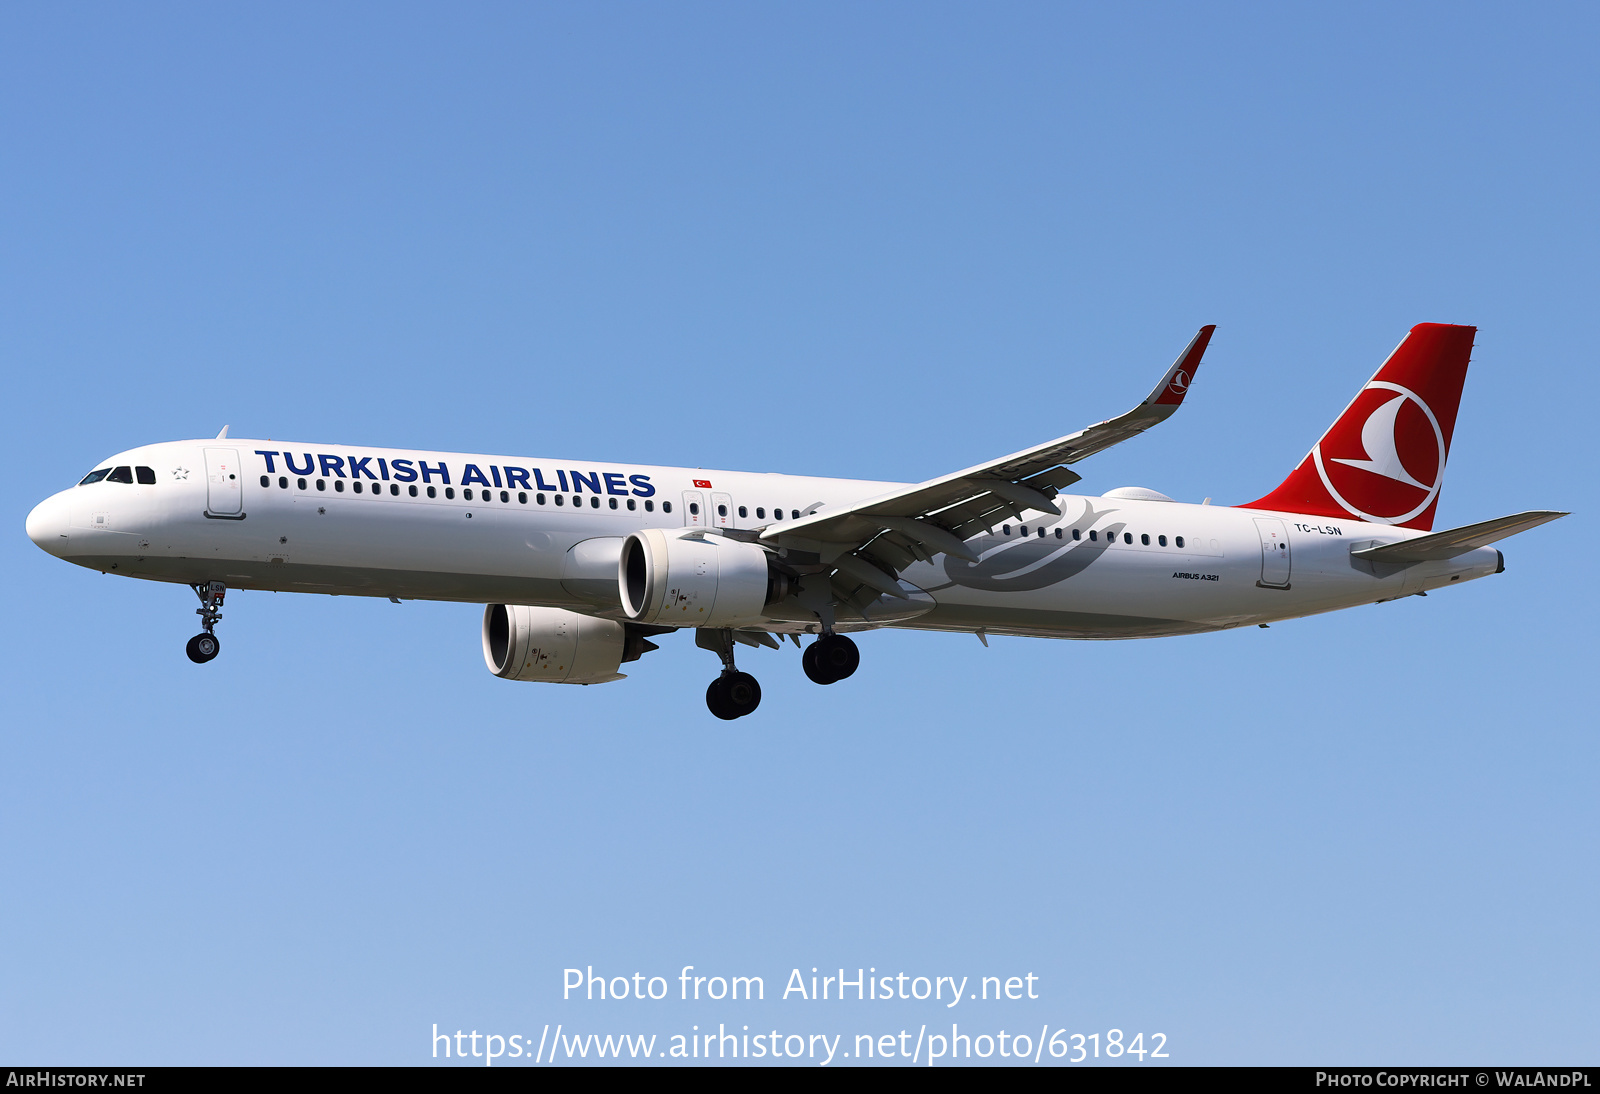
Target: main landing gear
[[204, 646], [733, 694], [829, 659]]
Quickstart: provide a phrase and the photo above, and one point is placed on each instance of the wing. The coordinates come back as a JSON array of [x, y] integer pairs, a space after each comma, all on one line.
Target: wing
[[869, 542]]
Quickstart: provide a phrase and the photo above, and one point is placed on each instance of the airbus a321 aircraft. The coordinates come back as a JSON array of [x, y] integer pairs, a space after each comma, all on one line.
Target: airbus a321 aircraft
[[581, 564]]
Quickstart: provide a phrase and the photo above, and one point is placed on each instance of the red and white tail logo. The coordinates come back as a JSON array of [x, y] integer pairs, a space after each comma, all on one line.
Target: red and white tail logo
[[1383, 461]]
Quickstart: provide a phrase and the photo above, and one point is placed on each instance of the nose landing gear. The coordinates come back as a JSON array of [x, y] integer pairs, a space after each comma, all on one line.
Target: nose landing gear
[[831, 658], [204, 646]]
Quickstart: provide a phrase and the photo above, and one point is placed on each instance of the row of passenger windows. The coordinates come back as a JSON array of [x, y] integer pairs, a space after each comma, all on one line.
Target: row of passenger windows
[[744, 512], [1094, 536], [147, 475], [468, 494]]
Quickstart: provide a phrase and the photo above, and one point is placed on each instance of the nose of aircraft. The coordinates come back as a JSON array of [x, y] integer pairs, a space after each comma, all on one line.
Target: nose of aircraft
[[47, 525]]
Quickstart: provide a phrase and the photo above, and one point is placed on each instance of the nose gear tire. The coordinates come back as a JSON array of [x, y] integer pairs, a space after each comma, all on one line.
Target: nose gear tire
[[202, 648]]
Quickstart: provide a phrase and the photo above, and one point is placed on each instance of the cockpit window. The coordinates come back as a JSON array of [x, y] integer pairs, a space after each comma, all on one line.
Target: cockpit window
[[121, 474], [147, 475], [95, 476]]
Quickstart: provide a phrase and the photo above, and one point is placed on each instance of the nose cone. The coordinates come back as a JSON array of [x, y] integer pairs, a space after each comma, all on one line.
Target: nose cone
[[48, 525]]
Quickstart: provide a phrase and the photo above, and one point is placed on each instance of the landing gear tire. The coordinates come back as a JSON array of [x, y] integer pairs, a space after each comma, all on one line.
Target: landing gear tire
[[831, 658], [202, 648], [733, 695]]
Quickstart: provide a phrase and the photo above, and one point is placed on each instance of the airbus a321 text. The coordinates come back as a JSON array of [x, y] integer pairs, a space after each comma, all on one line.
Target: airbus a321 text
[[581, 564]]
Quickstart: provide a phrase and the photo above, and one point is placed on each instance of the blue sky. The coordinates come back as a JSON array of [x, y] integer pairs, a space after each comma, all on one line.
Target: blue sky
[[875, 240]]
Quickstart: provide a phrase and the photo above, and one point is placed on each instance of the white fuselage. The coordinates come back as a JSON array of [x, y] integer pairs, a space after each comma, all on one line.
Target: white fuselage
[[511, 530]]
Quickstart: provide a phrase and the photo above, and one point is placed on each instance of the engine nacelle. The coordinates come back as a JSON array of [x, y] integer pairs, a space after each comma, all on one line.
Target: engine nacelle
[[695, 578], [557, 646]]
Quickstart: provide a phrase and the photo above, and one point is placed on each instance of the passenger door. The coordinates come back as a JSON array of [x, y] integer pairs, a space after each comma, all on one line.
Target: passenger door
[[721, 511], [224, 488], [1274, 553]]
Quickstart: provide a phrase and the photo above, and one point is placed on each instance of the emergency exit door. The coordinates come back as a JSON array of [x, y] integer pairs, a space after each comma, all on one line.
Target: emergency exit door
[[721, 511], [1274, 553], [694, 509]]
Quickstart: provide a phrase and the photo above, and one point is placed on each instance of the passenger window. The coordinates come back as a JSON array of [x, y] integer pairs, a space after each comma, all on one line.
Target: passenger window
[[121, 474], [95, 476], [632, 504], [466, 495], [777, 514], [1041, 533], [1161, 540], [338, 485], [1076, 534], [539, 498], [1144, 538], [505, 495], [561, 499], [761, 513], [394, 488], [1058, 533], [433, 491], [1127, 537], [649, 507], [265, 481], [1006, 528], [449, 493], [743, 512], [594, 503], [522, 498], [1178, 541], [300, 483], [666, 506], [613, 502], [722, 510], [694, 508], [413, 490], [147, 475], [322, 484], [794, 514], [356, 486], [1024, 529], [283, 483], [1093, 535]]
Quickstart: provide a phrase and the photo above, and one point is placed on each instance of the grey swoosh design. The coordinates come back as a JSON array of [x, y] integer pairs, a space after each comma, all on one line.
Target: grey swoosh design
[[991, 572]]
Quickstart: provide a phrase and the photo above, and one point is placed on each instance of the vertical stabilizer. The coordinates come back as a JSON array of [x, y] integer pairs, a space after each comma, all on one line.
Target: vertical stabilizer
[[1383, 460]]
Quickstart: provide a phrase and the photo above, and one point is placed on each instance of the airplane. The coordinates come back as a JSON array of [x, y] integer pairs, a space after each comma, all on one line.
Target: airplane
[[580, 564]]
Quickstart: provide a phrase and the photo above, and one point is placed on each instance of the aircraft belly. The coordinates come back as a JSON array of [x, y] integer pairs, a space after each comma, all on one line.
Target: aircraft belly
[[1050, 623], [297, 577]]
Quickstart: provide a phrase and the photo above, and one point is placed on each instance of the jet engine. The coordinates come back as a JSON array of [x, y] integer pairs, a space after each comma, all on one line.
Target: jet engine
[[558, 646], [695, 578]]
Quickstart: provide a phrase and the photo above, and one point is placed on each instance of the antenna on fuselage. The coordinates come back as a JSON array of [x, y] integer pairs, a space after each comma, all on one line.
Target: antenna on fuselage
[[223, 434]]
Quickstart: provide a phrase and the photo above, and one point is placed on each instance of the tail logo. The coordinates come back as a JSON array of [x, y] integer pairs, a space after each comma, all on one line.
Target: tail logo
[[1179, 382], [1378, 451]]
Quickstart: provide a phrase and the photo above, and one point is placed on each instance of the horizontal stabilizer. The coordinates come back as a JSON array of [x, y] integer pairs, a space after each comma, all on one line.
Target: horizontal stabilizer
[[1457, 541]]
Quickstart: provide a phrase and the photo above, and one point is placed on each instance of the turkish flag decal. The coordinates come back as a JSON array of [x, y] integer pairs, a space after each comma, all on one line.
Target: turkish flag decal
[[702, 484]]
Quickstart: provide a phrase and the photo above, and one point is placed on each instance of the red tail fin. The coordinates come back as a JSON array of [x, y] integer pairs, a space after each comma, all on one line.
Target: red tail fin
[[1383, 460]]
